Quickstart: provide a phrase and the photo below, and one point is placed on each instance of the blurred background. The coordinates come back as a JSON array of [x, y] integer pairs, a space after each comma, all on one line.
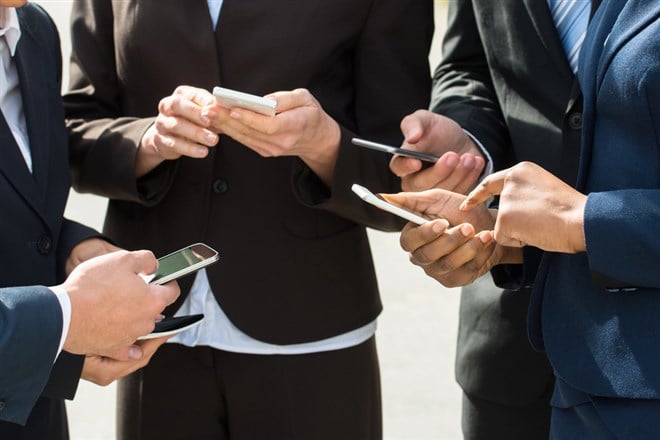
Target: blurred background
[[416, 332]]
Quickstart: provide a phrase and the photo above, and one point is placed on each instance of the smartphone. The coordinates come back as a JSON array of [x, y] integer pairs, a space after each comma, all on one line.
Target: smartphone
[[379, 202], [183, 262], [395, 150], [231, 98], [172, 325]]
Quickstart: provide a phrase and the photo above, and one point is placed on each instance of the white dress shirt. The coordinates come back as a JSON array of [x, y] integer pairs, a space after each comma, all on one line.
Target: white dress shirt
[[217, 331], [11, 106]]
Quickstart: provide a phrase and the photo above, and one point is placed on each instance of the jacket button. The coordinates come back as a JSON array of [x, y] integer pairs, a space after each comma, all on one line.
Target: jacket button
[[44, 244], [220, 186], [575, 120]]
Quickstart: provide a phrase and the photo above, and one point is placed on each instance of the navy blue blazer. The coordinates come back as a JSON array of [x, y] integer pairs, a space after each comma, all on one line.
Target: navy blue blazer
[[30, 330], [35, 239], [597, 313]]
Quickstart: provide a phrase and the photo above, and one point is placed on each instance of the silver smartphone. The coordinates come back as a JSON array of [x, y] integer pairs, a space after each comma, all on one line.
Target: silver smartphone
[[184, 261], [232, 98], [377, 201], [394, 150]]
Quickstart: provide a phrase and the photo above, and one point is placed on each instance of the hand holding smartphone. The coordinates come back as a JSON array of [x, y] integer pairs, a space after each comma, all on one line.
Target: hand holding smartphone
[[395, 150], [379, 202], [173, 266], [232, 98]]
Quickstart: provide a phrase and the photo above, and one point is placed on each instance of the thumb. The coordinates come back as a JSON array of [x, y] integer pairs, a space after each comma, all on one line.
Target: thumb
[[123, 354]]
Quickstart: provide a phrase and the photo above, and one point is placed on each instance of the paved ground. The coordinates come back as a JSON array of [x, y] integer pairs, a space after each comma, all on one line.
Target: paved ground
[[416, 334]]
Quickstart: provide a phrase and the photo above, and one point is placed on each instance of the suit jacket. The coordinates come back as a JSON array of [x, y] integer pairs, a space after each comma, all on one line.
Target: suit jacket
[[600, 332], [505, 78], [31, 326], [36, 240], [295, 261]]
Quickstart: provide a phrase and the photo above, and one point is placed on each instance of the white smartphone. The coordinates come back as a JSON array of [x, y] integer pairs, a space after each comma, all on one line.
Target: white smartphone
[[379, 202], [183, 262], [232, 98], [394, 150]]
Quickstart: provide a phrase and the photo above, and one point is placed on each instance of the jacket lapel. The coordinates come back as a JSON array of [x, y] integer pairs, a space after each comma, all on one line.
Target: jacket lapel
[[13, 166], [539, 12], [34, 91], [591, 62]]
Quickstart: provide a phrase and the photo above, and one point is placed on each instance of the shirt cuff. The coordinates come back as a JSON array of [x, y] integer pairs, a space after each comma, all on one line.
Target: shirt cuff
[[65, 303], [488, 170]]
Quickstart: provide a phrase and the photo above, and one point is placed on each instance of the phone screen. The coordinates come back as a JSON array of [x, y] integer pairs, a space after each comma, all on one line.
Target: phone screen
[[183, 261]]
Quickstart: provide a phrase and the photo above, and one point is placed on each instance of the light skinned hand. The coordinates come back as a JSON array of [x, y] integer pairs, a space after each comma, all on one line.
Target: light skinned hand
[[180, 129], [535, 208], [111, 305], [461, 161], [86, 249], [300, 128], [103, 370]]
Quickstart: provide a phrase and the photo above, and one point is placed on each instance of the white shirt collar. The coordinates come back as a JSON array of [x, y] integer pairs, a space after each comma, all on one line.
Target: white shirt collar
[[10, 28]]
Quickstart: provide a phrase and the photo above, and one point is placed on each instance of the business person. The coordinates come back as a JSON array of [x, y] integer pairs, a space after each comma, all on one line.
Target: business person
[[287, 347], [507, 79], [100, 310], [595, 299], [39, 247]]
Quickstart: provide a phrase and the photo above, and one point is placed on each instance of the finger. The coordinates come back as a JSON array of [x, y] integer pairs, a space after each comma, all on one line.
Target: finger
[[184, 128], [167, 292], [412, 127], [292, 99], [469, 263], [431, 177], [459, 177], [489, 187], [255, 121], [443, 246], [413, 201], [184, 107], [471, 176], [404, 166], [413, 237], [124, 354], [173, 147], [142, 261]]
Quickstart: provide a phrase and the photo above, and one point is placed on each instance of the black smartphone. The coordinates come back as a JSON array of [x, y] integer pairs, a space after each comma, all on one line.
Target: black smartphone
[[395, 150]]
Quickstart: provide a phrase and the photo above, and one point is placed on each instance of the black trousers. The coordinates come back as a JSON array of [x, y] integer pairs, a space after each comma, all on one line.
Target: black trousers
[[202, 393]]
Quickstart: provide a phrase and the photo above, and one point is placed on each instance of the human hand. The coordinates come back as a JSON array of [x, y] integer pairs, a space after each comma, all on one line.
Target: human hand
[[181, 129], [111, 305], [535, 208], [457, 255], [461, 161], [103, 370], [300, 128], [86, 249]]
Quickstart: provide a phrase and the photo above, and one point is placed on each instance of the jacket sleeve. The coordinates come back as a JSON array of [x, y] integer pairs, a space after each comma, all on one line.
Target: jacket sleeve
[[30, 331], [462, 85], [99, 134], [392, 80]]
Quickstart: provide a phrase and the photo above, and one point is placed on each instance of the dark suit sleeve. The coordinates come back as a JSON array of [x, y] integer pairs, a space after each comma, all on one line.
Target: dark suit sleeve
[[392, 80], [98, 135], [30, 331], [462, 85]]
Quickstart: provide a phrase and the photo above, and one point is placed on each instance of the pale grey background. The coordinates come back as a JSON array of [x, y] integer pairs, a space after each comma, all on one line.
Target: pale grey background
[[416, 332]]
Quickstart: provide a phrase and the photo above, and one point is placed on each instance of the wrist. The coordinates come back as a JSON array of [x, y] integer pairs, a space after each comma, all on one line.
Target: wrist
[[147, 156]]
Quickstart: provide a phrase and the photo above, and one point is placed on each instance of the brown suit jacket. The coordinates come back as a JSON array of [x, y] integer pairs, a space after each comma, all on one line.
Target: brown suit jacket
[[295, 261]]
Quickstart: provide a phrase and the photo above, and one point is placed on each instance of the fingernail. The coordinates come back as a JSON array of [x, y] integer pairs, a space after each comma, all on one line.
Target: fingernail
[[235, 115], [467, 230], [467, 162], [451, 161], [201, 151], [486, 237], [159, 318], [210, 138], [204, 120], [134, 352], [440, 226]]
